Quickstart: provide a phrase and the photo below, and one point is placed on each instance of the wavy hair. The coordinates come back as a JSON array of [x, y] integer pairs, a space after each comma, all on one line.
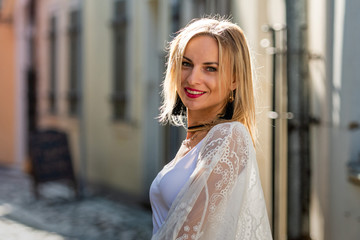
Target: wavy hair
[[234, 66]]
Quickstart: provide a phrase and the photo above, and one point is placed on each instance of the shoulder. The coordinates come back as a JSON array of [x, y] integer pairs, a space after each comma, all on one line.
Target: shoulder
[[227, 133], [231, 129], [227, 140], [230, 125]]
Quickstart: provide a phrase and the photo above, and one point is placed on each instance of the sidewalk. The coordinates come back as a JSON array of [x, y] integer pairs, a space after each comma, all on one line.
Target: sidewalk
[[57, 216]]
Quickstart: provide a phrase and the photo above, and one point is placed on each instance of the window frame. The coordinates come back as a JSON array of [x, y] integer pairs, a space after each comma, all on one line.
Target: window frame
[[74, 62], [119, 97], [53, 61]]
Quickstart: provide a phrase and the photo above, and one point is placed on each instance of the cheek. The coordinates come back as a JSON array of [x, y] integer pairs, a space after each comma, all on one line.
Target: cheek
[[183, 75], [213, 84], [219, 90]]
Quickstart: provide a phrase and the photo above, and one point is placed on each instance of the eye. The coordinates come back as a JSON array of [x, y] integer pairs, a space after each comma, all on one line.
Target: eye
[[211, 69], [186, 64]]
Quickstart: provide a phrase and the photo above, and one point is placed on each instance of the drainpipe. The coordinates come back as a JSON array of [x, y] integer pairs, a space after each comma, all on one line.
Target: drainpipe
[[82, 181], [278, 117], [298, 126]]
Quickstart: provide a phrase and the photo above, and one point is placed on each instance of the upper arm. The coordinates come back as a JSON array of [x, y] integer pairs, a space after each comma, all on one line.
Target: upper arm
[[224, 156]]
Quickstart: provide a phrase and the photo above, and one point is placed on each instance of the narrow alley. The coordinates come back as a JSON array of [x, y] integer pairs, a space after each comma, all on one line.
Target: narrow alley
[[57, 215]]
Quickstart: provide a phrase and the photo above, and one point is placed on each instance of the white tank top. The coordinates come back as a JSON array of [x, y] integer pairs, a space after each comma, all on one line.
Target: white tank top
[[168, 183]]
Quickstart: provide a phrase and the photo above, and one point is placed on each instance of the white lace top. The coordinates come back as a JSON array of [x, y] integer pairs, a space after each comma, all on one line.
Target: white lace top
[[168, 183], [223, 197]]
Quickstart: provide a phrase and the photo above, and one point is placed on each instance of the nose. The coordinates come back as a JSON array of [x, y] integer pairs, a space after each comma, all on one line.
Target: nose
[[194, 76]]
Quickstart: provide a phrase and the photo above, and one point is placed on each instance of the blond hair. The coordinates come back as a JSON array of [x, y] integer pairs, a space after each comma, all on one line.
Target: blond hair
[[234, 65]]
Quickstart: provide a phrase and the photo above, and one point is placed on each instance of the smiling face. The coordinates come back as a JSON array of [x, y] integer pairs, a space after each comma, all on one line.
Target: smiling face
[[200, 89]]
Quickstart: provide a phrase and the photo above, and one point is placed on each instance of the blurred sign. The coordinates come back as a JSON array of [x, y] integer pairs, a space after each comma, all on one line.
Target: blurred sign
[[50, 158]]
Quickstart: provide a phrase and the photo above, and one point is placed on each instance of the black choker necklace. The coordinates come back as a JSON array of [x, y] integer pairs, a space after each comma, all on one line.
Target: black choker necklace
[[196, 128]]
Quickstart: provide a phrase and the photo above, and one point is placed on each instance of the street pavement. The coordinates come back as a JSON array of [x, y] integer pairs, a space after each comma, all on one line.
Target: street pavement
[[57, 215]]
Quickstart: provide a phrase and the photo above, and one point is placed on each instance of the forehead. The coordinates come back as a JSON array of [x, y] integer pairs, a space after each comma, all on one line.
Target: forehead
[[202, 47]]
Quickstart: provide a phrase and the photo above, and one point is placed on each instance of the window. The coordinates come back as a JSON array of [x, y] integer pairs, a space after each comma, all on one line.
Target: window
[[119, 97], [205, 7], [175, 15], [53, 65], [74, 62]]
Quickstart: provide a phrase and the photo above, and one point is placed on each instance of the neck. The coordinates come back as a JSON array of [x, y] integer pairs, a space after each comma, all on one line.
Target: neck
[[205, 116], [196, 128]]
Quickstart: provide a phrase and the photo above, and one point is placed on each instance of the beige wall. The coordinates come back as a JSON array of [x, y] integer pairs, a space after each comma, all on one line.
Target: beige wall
[[104, 148], [113, 148], [251, 16], [319, 212], [343, 61]]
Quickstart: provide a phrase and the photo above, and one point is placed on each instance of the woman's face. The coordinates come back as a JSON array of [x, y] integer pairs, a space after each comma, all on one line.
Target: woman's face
[[200, 88]]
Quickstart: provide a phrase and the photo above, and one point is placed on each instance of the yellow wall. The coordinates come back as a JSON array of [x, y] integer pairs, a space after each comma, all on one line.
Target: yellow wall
[[113, 149]]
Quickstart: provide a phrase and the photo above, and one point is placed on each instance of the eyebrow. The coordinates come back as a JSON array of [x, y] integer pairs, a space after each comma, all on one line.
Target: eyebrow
[[206, 63]]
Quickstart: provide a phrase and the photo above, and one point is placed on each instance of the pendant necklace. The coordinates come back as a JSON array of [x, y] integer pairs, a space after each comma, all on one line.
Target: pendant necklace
[[196, 129], [187, 142]]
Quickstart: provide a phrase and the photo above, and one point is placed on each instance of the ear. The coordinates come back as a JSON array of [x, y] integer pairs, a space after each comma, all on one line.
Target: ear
[[233, 85]]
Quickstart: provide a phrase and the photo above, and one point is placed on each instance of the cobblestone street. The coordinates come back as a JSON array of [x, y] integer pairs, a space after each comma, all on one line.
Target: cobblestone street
[[58, 216]]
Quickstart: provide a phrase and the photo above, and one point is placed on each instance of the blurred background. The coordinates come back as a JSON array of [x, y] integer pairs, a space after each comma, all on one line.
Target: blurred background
[[90, 72]]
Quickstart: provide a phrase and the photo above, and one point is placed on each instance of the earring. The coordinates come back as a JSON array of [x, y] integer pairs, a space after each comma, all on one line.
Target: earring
[[231, 98]]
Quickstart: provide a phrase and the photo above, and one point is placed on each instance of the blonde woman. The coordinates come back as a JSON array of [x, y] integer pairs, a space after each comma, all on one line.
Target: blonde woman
[[211, 189]]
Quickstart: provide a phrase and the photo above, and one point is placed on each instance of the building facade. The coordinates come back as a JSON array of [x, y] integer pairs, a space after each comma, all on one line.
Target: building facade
[[8, 94], [93, 70], [100, 67], [334, 71]]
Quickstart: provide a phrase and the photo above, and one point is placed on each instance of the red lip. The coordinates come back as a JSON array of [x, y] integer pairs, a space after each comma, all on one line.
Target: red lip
[[193, 95]]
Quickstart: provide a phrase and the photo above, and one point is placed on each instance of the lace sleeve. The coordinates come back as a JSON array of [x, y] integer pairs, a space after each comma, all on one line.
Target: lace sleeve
[[223, 198], [224, 156]]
